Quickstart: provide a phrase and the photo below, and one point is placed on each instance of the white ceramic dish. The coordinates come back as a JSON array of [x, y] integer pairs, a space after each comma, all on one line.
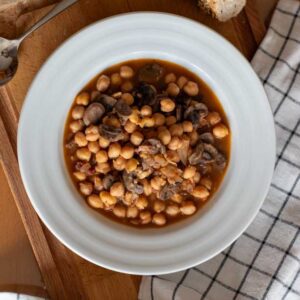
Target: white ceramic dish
[[40, 150]]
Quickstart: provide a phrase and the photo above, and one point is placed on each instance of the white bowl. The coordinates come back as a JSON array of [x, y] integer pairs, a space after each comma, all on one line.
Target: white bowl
[[40, 150]]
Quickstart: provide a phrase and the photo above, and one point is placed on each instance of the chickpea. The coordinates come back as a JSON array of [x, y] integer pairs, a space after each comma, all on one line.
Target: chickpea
[[200, 192], [127, 86], [189, 172], [101, 157], [126, 72], [80, 176], [95, 201], [141, 202], [93, 147], [188, 208], [146, 111], [80, 139], [103, 168], [171, 77], [206, 182], [117, 189], [76, 126], [159, 219], [159, 206], [77, 112], [136, 138], [128, 98], [86, 188], [145, 217], [107, 198], [130, 127], [197, 177], [112, 121], [119, 211], [92, 137], [213, 118], [182, 80], [191, 88], [164, 136], [83, 98], [173, 156], [103, 83], [147, 187], [119, 163], [131, 165], [127, 152], [170, 120], [160, 159], [157, 182], [115, 79], [103, 142], [176, 130], [147, 122], [132, 212], [187, 126], [91, 129], [84, 154], [175, 143], [134, 117], [128, 199], [173, 89], [98, 183], [167, 105], [114, 150], [220, 131], [117, 95], [194, 137], [159, 119], [172, 210], [177, 198]]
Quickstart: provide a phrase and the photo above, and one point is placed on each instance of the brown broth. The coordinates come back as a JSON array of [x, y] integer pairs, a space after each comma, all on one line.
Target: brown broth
[[208, 97]]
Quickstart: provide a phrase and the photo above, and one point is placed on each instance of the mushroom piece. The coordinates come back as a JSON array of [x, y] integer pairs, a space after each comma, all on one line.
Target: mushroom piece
[[111, 133], [145, 94], [131, 183], [123, 110], [150, 73], [196, 156], [152, 146], [207, 137], [93, 113], [220, 162], [82, 167], [108, 181], [195, 113], [179, 112], [183, 151], [168, 191], [71, 146], [107, 101]]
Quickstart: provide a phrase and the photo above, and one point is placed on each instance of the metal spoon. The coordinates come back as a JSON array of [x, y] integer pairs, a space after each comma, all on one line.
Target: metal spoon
[[9, 48]]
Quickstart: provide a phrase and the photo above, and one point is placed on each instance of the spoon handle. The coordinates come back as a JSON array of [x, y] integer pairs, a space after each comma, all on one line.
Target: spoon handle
[[58, 8]]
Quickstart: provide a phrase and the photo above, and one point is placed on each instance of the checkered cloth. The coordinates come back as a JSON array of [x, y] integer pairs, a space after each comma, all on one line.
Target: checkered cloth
[[264, 263]]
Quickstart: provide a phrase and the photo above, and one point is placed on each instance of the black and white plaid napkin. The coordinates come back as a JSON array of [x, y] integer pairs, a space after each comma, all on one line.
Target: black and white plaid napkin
[[264, 263]]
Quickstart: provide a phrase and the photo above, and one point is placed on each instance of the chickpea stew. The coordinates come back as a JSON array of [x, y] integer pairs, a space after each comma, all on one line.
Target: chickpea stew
[[147, 143]]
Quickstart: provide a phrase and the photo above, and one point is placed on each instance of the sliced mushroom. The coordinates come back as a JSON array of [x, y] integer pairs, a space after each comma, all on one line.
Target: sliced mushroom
[[108, 181], [107, 101], [145, 94], [132, 184], [196, 156], [82, 167], [220, 162], [195, 113], [72, 147], [152, 146], [93, 113], [207, 137], [168, 191], [123, 110], [113, 134], [150, 73], [179, 112]]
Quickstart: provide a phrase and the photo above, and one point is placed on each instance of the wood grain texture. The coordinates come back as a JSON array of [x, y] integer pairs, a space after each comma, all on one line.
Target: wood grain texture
[[66, 275]]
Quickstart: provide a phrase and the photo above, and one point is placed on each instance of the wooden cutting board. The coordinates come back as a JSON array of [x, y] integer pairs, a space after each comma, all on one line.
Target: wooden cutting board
[[66, 275]]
